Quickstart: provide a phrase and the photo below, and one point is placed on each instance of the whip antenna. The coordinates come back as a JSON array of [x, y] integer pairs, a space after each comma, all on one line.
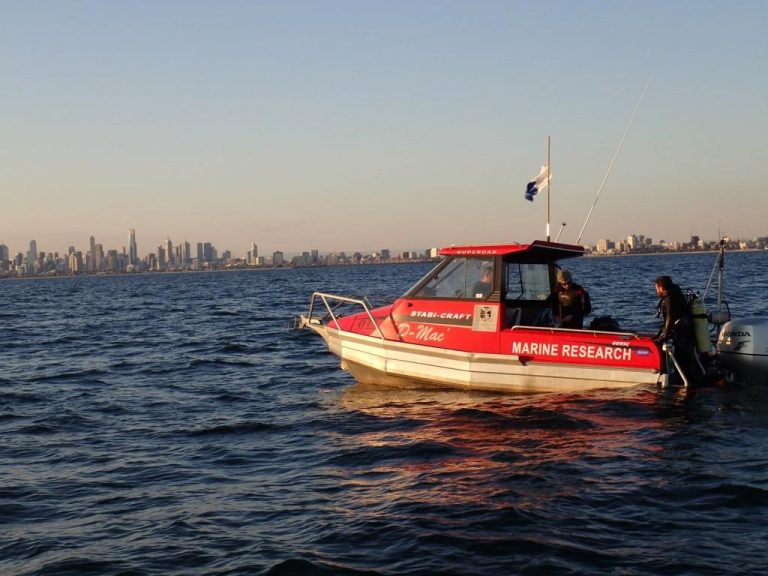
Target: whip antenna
[[615, 155], [562, 227]]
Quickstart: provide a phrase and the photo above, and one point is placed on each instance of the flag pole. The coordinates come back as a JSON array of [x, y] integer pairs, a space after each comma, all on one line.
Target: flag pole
[[549, 171]]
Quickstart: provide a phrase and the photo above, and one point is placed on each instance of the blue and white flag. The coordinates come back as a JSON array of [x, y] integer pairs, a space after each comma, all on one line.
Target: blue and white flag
[[538, 184]]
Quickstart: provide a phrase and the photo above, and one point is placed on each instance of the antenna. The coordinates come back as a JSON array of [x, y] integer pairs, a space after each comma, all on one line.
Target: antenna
[[549, 171], [562, 227], [610, 167]]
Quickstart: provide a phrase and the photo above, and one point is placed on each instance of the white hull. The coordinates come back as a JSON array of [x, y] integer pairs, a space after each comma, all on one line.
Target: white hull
[[743, 349], [372, 360]]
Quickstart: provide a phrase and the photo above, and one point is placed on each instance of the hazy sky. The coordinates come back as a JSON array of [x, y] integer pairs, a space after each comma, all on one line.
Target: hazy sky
[[366, 125]]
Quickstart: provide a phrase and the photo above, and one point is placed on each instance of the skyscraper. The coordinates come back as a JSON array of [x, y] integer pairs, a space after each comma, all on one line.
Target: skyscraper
[[111, 262], [186, 253], [98, 258], [168, 250], [133, 252], [75, 262], [92, 253], [253, 255], [31, 256]]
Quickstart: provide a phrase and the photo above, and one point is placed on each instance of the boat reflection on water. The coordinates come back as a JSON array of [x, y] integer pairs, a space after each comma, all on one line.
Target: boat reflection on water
[[444, 447]]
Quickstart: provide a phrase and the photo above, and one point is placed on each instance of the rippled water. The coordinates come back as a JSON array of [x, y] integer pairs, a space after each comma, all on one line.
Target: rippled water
[[172, 424]]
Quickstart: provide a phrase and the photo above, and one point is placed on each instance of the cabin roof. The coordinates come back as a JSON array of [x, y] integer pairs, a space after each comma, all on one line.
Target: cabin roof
[[536, 251]]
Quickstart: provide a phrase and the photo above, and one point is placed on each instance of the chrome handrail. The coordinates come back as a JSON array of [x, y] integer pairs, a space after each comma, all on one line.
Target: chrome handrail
[[342, 299], [595, 332]]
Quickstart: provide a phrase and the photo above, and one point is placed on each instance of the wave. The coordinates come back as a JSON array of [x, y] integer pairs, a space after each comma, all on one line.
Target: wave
[[411, 452], [301, 567], [15, 398], [524, 417], [85, 374], [76, 566], [202, 362], [232, 429]]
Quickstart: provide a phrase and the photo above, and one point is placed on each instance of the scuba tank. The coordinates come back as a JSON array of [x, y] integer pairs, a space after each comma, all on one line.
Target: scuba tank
[[699, 326]]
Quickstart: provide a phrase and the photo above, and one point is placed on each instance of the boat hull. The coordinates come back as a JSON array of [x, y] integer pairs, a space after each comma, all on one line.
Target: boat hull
[[372, 360]]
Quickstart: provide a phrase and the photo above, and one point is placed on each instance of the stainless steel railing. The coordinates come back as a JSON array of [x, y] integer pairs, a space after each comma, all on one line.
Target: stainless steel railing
[[331, 310]]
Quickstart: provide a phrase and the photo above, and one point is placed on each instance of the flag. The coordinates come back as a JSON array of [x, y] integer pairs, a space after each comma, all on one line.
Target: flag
[[538, 184]]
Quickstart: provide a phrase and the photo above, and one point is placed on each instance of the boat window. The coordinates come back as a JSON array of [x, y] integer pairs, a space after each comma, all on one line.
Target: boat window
[[527, 281], [460, 278]]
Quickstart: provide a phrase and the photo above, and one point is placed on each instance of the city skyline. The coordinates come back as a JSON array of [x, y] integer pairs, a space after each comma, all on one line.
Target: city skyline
[[133, 253], [269, 247], [205, 256], [629, 242], [348, 125]]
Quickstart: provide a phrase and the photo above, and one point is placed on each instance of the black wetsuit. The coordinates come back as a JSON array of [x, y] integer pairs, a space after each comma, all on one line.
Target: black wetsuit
[[570, 305], [675, 312], [677, 327]]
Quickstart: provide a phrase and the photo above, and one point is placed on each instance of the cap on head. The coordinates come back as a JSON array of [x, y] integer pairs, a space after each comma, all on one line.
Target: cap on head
[[564, 276]]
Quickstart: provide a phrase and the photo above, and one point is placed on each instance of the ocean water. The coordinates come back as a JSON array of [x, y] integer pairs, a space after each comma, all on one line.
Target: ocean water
[[173, 424]]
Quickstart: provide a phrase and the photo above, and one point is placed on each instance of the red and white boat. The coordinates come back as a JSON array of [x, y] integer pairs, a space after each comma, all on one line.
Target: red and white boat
[[447, 332]]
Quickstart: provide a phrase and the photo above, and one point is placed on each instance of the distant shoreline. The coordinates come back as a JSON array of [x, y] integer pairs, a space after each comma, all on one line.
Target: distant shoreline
[[672, 253], [390, 263], [214, 271]]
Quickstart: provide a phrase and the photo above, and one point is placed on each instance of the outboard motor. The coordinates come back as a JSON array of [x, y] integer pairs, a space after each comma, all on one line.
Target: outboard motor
[[743, 349]]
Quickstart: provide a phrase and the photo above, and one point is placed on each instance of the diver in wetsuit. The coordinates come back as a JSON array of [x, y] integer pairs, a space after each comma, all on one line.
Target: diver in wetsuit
[[677, 326], [570, 302]]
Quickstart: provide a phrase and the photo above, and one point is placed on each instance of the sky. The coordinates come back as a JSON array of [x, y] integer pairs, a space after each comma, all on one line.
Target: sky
[[362, 125]]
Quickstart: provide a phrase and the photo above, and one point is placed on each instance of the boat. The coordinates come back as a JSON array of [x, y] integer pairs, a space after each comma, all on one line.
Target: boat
[[449, 331]]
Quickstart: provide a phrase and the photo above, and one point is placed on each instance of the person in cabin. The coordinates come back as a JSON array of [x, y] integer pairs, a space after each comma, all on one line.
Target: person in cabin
[[570, 302], [483, 287], [677, 325]]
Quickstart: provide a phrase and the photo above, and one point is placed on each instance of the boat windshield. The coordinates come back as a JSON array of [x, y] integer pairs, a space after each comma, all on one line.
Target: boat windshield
[[459, 278], [527, 281]]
